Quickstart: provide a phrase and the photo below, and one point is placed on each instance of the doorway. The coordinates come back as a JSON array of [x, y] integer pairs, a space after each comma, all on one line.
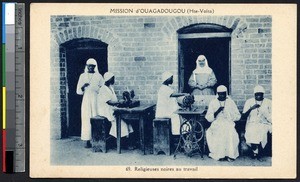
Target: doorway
[[210, 40], [77, 52]]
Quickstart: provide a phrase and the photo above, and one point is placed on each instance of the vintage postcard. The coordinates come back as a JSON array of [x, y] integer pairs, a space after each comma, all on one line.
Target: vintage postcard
[[162, 90]]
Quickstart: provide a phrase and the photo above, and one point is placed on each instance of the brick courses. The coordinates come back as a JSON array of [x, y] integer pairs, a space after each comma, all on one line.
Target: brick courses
[[140, 49]]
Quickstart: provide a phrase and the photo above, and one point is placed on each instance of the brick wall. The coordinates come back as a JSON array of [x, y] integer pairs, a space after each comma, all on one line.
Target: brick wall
[[140, 49]]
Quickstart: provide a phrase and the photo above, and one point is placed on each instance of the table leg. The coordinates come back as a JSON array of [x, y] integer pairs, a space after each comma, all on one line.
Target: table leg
[[142, 133], [118, 133]]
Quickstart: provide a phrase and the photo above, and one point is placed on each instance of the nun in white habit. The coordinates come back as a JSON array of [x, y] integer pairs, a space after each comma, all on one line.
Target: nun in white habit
[[167, 103], [203, 78], [258, 111], [88, 85], [222, 138], [107, 99]]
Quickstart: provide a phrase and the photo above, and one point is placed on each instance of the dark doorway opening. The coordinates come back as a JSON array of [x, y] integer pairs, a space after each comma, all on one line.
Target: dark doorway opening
[[210, 40], [77, 52]]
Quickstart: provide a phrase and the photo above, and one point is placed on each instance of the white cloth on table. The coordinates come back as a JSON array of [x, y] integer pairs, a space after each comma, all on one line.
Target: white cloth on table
[[259, 121], [166, 106], [89, 104], [104, 109], [222, 138]]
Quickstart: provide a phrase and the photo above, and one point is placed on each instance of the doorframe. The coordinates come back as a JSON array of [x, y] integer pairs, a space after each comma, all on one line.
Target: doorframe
[[63, 105], [207, 35], [65, 122]]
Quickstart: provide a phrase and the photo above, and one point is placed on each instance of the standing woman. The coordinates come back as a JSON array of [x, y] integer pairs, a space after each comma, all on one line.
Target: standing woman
[[203, 78], [88, 85]]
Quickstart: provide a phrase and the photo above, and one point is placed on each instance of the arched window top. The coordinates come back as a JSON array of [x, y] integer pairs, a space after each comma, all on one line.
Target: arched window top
[[203, 28], [84, 43]]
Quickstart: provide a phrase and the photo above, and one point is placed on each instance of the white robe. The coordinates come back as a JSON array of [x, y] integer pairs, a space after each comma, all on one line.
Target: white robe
[[108, 94], [259, 122], [222, 138], [89, 105], [166, 106]]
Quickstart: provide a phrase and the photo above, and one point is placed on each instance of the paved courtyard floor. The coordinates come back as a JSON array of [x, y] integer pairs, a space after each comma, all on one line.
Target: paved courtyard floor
[[71, 152]]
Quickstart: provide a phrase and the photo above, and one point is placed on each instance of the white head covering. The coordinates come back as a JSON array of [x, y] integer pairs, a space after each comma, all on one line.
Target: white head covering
[[166, 75], [258, 89], [221, 88], [205, 69], [93, 62], [108, 75]]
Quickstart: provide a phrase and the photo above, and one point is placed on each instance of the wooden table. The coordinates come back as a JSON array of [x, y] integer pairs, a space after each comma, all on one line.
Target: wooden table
[[144, 112]]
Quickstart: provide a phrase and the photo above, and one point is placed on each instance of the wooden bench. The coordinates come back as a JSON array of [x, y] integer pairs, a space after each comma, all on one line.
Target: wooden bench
[[162, 136], [100, 133]]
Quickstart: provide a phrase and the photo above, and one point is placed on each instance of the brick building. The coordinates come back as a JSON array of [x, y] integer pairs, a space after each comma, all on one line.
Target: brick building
[[139, 49]]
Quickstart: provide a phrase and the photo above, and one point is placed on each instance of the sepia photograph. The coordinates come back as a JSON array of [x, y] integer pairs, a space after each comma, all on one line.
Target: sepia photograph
[[161, 89], [156, 90]]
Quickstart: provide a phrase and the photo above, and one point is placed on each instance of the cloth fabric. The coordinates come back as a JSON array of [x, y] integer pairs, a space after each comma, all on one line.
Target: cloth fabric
[[205, 68], [108, 75], [222, 138], [259, 121], [89, 104], [222, 88], [166, 106], [104, 109], [166, 75], [202, 76], [92, 62], [259, 89]]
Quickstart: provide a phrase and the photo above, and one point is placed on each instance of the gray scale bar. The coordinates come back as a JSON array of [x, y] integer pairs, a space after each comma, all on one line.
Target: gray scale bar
[[20, 160], [20, 87], [10, 138], [10, 87]]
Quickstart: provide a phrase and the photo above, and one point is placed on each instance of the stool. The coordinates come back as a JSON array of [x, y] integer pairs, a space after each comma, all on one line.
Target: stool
[[162, 135], [100, 132]]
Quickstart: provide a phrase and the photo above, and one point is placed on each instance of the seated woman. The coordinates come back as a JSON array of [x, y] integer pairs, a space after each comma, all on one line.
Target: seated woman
[[107, 99], [203, 78], [258, 111], [222, 138], [167, 103]]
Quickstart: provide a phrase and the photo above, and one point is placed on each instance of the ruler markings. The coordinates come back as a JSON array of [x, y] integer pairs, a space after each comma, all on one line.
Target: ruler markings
[[13, 85], [20, 87]]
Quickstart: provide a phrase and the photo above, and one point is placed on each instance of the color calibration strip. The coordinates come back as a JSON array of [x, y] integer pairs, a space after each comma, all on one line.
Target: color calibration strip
[[3, 92], [13, 65], [9, 87]]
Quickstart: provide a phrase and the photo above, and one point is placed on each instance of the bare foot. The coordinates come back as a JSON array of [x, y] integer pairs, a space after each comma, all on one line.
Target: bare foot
[[229, 159]]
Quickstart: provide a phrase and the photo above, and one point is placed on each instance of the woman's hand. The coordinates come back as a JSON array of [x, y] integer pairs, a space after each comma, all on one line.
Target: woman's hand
[[218, 111], [201, 87], [255, 106], [85, 85]]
